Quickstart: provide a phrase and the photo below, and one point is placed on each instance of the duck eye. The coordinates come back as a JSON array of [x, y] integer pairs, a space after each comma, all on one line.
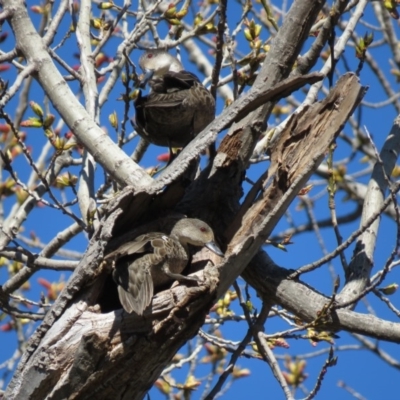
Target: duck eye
[[203, 229], [150, 55]]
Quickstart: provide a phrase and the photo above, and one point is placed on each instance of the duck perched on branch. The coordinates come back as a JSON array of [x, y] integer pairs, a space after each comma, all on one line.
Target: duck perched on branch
[[155, 259], [178, 106]]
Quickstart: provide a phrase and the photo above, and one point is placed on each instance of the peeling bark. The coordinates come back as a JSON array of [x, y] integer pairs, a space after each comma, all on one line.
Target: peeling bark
[[121, 355]]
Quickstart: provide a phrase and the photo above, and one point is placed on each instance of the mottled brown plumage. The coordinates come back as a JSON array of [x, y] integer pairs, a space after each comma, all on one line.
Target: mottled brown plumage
[[155, 259], [178, 106]]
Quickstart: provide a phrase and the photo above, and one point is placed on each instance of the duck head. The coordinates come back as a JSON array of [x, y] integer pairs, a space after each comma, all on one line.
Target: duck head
[[156, 63], [197, 233]]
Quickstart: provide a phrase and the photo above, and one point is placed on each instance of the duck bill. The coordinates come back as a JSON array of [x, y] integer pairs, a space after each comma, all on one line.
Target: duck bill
[[148, 74], [214, 248]]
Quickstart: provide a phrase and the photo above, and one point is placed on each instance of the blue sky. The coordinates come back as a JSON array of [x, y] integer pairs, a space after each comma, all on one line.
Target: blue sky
[[361, 370]]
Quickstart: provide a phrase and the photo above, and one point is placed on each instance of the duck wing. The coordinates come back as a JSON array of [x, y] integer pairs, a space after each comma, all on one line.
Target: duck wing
[[135, 286], [133, 275], [174, 81], [162, 100], [140, 244]]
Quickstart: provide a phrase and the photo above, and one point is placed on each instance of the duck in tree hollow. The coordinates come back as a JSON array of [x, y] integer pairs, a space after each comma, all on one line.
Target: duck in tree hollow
[[155, 259]]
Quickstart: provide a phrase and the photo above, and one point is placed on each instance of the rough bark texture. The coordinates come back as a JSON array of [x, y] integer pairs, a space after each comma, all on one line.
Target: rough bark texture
[[79, 352], [86, 353]]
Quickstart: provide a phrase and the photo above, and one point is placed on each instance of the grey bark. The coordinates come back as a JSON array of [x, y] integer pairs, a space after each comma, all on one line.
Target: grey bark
[[81, 353]]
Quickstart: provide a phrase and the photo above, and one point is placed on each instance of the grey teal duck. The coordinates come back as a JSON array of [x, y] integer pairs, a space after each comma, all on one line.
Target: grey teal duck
[[178, 106], [155, 259]]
